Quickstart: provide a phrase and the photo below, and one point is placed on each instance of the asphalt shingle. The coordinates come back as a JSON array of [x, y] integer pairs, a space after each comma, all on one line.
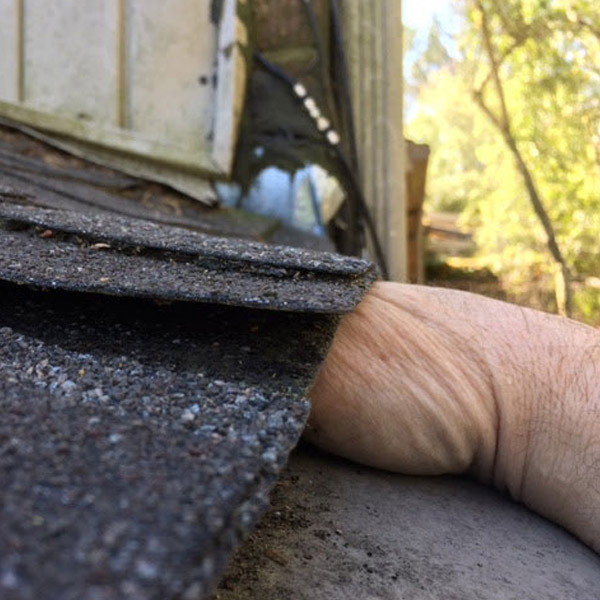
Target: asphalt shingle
[[153, 380], [138, 442], [116, 255]]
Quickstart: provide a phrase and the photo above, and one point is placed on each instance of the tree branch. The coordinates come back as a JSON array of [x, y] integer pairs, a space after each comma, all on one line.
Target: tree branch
[[595, 31], [502, 123], [490, 74], [495, 70], [478, 97]]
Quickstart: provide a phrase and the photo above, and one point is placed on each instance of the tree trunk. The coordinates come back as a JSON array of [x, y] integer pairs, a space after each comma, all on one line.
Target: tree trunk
[[502, 123], [563, 277]]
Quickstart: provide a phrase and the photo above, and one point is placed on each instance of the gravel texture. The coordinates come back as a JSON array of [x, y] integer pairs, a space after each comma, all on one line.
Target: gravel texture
[[148, 401], [138, 442], [128, 257]]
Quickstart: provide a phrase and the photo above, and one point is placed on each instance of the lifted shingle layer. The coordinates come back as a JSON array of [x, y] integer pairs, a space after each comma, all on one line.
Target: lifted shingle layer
[[120, 256]]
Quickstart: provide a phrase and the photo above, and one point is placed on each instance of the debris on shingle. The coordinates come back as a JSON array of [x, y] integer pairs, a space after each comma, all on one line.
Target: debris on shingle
[[60, 250], [105, 178]]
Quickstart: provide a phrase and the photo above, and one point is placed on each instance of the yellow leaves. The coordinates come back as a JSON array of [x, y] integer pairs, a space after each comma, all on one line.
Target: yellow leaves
[[476, 17], [530, 9], [551, 81], [571, 15], [591, 152]]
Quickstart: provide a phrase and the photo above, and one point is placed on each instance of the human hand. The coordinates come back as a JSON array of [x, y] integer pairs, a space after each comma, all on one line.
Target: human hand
[[429, 381]]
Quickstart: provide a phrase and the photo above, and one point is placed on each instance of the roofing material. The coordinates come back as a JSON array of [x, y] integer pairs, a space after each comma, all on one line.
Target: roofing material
[[153, 381]]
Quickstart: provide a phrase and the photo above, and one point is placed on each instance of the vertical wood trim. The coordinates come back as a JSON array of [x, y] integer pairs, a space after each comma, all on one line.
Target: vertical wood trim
[[379, 121], [385, 137], [121, 119], [20, 48], [369, 81], [351, 19], [374, 48], [231, 86], [396, 196]]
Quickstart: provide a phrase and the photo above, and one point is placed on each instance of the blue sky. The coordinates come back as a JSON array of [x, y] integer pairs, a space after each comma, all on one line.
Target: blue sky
[[419, 14]]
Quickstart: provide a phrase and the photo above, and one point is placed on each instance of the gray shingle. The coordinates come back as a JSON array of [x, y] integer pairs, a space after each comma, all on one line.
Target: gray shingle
[[138, 442], [116, 255]]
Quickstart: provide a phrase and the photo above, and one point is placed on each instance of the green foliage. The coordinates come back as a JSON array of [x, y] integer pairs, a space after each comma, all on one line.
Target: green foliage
[[549, 63], [587, 300]]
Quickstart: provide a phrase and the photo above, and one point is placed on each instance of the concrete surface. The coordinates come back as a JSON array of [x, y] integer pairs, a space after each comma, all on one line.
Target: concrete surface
[[338, 531]]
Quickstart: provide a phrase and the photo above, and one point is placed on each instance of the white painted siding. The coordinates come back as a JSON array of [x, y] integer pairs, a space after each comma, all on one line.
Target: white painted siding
[[70, 61], [166, 38], [8, 52], [130, 75]]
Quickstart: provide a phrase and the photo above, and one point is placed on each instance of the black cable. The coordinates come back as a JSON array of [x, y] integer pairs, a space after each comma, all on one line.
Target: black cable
[[313, 21], [273, 68], [366, 213], [350, 173], [346, 94], [352, 165], [341, 85], [345, 101]]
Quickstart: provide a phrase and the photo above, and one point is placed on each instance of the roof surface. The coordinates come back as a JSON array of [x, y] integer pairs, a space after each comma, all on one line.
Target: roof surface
[[139, 441], [142, 433], [116, 255]]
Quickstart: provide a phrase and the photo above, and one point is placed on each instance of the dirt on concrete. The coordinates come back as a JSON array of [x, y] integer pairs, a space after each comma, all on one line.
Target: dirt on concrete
[[336, 530]]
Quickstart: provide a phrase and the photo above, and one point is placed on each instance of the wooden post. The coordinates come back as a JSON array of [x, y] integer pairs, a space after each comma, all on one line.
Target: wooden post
[[373, 40], [417, 157]]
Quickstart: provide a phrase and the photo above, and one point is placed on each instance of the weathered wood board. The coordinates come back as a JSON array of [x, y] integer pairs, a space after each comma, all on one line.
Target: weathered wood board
[[144, 77]]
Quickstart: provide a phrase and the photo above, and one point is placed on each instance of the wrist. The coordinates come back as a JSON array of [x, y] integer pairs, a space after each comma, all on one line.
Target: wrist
[[549, 427]]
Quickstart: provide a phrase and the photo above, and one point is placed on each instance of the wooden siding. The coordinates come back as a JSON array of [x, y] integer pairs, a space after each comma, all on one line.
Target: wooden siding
[[131, 75], [373, 37]]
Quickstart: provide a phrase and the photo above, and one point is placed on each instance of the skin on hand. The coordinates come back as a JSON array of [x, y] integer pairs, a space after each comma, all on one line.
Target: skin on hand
[[429, 381]]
